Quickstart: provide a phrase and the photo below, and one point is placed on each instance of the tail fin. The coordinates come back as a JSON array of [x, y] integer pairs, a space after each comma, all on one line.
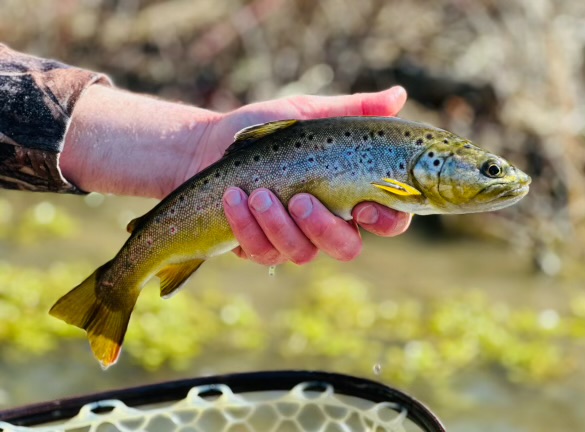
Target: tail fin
[[104, 320]]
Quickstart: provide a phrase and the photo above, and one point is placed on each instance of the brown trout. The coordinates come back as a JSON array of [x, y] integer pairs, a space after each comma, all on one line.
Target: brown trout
[[342, 161]]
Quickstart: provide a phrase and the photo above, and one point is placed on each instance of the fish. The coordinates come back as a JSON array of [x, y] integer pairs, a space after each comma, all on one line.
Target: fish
[[342, 161]]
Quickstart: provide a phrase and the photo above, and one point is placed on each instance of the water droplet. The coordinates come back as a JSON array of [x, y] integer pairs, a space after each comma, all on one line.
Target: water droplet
[[377, 368], [272, 270]]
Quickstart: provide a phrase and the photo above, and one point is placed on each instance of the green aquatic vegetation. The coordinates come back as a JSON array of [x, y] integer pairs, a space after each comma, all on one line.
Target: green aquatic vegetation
[[334, 323], [25, 328], [407, 342], [172, 332], [177, 330]]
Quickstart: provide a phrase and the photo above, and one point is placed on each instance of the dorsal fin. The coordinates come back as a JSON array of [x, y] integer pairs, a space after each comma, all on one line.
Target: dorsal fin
[[254, 133], [134, 223]]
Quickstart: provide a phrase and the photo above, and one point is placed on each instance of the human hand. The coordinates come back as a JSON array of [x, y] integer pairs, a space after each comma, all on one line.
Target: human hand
[[268, 233]]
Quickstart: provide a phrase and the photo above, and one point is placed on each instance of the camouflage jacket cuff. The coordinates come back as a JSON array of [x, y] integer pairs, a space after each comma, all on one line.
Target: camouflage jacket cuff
[[37, 97]]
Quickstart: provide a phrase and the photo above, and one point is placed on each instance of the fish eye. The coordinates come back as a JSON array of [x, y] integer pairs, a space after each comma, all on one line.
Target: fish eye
[[492, 169]]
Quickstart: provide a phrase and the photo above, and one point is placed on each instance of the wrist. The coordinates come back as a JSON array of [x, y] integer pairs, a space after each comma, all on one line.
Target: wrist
[[128, 144]]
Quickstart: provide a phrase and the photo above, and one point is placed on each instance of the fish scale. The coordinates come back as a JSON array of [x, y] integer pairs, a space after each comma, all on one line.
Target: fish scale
[[342, 161]]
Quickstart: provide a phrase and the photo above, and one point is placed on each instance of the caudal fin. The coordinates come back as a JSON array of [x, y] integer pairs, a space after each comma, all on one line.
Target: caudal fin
[[104, 320]]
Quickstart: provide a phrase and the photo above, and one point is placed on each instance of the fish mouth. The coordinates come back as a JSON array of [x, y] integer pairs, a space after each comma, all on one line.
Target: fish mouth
[[507, 194], [519, 191]]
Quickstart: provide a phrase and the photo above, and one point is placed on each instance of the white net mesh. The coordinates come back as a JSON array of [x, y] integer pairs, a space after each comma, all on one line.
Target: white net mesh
[[215, 408]]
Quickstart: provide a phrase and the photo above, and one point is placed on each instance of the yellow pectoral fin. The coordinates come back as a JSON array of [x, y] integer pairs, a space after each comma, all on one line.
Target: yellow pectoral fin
[[396, 187]]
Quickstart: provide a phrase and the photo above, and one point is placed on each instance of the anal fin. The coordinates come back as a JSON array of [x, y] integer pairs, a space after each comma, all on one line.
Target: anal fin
[[173, 276]]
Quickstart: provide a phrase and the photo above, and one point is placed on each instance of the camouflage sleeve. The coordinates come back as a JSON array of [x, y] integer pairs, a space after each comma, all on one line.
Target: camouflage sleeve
[[37, 97]]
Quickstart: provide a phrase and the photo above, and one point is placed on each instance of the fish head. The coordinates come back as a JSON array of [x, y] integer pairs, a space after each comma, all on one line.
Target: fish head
[[458, 177]]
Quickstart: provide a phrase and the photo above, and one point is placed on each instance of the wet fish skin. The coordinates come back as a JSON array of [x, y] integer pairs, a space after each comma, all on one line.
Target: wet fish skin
[[342, 161]]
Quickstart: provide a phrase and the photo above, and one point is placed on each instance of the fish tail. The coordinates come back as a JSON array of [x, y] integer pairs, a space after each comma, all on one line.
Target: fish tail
[[104, 321]]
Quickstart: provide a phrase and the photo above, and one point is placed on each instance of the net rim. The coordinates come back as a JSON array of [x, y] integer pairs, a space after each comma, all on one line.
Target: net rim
[[169, 391]]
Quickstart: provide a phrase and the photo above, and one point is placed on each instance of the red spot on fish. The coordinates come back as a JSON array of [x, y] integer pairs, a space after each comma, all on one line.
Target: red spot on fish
[[149, 241], [173, 230]]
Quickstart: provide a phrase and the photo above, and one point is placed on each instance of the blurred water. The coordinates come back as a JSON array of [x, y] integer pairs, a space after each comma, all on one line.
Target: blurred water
[[409, 267]]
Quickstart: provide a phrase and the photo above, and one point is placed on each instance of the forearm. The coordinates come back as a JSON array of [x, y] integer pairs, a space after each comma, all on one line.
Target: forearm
[[37, 97], [128, 144]]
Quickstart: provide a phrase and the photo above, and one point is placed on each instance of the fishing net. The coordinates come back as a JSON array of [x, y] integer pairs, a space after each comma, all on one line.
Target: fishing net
[[315, 405]]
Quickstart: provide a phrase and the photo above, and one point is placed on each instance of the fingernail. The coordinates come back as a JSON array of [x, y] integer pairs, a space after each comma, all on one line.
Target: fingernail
[[398, 92], [301, 207], [260, 201], [368, 215], [233, 197]]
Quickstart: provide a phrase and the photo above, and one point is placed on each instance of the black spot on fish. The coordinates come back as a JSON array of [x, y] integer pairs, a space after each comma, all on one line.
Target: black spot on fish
[[217, 174], [357, 147], [365, 137], [431, 154], [329, 140], [237, 163], [172, 211], [256, 158], [349, 153], [311, 137], [446, 141], [303, 134], [311, 159], [381, 133], [401, 165], [205, 181], [361, 160], [467, 146], [139, 236], [388, 174], [429, 136], [419, 141], [436, 162], [283, 167], [407, 134], [298, 144], [182, 198], [372, 134], [370, 161], [347, 134], [327, 166], [275, 147]]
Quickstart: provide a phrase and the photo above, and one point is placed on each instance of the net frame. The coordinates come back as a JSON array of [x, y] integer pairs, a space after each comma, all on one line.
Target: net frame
[[208, 387]]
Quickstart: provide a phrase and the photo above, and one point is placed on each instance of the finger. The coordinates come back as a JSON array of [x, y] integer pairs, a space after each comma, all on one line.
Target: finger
[[279, 227], [331, 234], [385, 103], [253, 242], [381, 220]]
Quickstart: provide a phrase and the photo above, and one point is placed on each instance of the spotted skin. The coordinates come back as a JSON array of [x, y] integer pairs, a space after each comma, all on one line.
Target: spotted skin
[[338, 160]]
